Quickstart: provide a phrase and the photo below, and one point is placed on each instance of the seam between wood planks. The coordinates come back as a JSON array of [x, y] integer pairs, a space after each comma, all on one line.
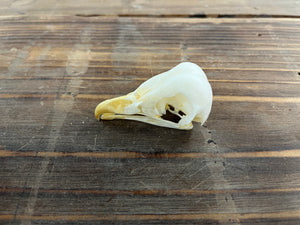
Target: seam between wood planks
[[146, 78], [293, 153], [224, 98], [195, 216], [205, 68], [183, 192], [195, 15]]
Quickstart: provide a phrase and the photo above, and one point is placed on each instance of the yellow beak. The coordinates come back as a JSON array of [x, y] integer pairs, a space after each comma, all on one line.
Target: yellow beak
[[112, 108]]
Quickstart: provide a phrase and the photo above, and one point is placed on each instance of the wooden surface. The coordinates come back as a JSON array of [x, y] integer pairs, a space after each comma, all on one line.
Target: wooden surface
[[172, 8], [59, 165]]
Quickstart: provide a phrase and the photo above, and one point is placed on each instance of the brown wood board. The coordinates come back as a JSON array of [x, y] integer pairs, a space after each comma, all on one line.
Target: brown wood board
[[173, 8], [60, 165]]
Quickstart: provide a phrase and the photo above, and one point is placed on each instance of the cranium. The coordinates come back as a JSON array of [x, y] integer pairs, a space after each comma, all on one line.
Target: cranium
[[171, 99]]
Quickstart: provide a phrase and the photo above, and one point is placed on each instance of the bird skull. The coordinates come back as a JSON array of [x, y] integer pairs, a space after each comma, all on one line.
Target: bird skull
[[171, 99]]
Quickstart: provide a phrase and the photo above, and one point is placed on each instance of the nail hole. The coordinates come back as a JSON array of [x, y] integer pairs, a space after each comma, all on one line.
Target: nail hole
[[299, 73], [259, 35], [211, 141]]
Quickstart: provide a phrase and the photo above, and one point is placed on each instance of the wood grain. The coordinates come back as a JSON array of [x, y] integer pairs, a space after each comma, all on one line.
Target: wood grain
[[59, 165], [133, 45], [173, 8], [82, 132], [153, 176]]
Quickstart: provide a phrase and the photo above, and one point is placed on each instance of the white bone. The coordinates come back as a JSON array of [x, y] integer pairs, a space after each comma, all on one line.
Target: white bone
[[184, 91]]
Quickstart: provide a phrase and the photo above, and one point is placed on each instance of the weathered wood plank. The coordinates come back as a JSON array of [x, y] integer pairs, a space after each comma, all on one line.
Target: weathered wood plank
[[152, 176], [252, 126], [14, 88], [72, 204], [154, 7], [57, 83], [59, 165], [74, 208], [227, 49], [158, 219]]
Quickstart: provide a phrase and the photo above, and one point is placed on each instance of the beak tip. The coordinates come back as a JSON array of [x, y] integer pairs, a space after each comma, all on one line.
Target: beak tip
[[98, 116], [99, 111]]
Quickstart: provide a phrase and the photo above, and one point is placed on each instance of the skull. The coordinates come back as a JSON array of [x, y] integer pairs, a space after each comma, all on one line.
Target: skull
[[171, 99]]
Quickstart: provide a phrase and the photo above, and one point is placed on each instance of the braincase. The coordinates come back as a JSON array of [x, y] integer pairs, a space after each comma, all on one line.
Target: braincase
[[187, 79]]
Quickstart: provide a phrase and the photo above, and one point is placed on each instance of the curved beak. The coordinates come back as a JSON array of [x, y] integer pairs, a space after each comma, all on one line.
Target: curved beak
[[112, 108]]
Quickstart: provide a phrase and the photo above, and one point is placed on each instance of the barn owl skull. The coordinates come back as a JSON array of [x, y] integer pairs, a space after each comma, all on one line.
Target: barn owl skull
[[171, 99]]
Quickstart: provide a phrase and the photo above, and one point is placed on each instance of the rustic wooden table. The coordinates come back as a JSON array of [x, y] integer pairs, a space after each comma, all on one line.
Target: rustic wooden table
[[59, 165]]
